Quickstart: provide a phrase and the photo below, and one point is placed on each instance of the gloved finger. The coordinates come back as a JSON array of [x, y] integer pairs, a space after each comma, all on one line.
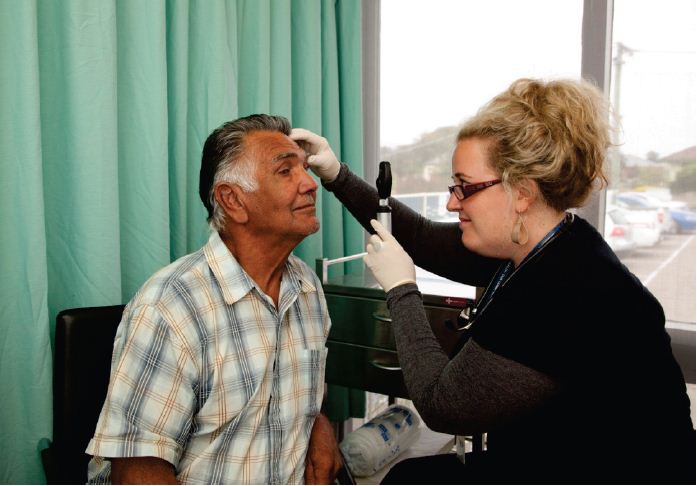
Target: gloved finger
[[381, 230], [376, 242], [372, 265], [367, 259], [300, 134]]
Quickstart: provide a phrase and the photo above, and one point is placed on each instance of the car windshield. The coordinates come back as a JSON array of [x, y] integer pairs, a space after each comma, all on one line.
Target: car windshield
[[636, 202], [618, 217]]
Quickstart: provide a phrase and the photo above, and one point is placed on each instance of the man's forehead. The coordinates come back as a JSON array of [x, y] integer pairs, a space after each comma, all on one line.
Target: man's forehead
[[269, 144]]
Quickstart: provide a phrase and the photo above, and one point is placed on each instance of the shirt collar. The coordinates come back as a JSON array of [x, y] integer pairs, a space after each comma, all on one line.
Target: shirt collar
[[295, 271], [234, 281]]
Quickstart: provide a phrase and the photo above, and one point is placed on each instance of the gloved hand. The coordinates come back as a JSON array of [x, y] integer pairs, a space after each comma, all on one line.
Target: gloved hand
[[388, 261], [322, 160]]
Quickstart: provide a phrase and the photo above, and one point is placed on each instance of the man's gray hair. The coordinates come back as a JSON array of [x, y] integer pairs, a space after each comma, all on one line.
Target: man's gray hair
[[226, 159]]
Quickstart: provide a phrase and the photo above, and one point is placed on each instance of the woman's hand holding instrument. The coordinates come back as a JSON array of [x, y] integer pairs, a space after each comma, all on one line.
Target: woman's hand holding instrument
[[388, 261]]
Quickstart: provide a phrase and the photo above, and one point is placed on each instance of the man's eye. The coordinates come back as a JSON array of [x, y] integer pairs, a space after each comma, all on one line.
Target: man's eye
[[284, 171]]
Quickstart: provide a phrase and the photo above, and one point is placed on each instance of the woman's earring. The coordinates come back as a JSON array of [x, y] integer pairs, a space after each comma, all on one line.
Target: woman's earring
[[519, 235]]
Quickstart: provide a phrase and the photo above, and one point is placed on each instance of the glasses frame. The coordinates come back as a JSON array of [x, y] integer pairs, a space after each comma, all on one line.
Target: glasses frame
[[463, 191]]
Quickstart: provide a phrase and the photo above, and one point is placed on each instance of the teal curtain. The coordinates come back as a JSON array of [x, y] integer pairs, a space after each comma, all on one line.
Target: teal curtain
[[104, 106]]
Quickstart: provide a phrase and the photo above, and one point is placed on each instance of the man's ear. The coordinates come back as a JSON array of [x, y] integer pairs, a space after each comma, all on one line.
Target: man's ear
[[230, 197], [526, 193]]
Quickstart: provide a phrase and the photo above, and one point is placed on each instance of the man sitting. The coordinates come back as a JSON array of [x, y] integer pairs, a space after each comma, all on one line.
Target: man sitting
[[218, 367]]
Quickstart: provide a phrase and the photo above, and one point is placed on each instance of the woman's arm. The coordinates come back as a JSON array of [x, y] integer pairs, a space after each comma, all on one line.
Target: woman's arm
[[472, 393], [436, 247]]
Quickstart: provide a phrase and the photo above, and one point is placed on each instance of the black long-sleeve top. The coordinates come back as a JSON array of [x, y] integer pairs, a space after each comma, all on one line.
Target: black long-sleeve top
[[570, 356]]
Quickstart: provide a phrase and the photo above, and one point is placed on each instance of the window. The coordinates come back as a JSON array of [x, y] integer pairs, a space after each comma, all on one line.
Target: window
[[652, 171]]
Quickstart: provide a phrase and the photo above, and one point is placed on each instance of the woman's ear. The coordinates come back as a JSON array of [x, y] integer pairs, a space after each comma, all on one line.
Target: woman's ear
[[526, 193], [230, 198]]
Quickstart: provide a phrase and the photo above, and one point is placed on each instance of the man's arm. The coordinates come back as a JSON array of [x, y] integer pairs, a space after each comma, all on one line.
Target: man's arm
[[323, 460], [145, 350], [142, 470]]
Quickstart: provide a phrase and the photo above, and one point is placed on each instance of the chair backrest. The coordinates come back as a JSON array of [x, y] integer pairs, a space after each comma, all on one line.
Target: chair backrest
[[84, 344]]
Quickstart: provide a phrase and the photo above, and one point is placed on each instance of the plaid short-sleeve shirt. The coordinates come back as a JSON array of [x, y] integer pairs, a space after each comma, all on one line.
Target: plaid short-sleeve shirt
[[210, 376]]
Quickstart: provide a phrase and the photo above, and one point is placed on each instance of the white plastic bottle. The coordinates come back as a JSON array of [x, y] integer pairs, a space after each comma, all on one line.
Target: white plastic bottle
[[379, 441]]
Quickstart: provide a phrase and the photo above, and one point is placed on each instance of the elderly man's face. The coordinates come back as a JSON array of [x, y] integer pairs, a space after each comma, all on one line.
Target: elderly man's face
[[284, 204]]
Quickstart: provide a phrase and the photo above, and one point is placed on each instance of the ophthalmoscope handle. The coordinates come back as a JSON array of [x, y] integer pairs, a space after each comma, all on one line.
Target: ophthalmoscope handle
[[384, 186]]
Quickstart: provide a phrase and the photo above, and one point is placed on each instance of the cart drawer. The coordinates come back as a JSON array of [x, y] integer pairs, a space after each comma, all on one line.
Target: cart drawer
[[365, 368], [367, 322]]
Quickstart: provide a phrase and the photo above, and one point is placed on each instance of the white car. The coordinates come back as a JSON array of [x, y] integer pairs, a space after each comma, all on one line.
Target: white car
[[646, 231], [640, 201], [619, 233]]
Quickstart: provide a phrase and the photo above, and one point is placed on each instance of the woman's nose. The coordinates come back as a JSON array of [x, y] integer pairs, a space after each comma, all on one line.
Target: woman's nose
[[453, 204]]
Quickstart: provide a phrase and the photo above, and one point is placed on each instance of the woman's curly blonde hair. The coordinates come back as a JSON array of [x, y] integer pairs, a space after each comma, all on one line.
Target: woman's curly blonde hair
[[556, 133]]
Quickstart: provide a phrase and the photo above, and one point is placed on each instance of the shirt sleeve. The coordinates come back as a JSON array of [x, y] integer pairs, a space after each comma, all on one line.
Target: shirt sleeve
[[471, 393], [151, 401]]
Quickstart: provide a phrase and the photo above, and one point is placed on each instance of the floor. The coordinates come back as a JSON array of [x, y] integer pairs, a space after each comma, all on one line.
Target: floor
[[430, 442]]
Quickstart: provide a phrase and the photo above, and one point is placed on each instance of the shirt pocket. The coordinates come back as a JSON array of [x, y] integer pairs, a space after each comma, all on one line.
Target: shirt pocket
[[303, 384], [317, 363]]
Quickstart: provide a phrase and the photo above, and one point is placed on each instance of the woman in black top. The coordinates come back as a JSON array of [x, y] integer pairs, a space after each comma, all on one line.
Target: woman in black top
[[566, 364]]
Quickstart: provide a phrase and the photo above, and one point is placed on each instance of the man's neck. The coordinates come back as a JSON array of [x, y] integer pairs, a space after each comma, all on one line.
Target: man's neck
[[263, 260]]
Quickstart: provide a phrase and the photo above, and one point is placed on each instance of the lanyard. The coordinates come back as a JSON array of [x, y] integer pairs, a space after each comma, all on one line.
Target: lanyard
[[504, 273]]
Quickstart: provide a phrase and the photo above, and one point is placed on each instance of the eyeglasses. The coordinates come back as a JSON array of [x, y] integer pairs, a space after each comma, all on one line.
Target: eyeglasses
[[463, 191]]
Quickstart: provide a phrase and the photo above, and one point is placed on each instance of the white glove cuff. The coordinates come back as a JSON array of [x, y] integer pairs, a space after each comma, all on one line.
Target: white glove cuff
[[400, 282], [332, 173]]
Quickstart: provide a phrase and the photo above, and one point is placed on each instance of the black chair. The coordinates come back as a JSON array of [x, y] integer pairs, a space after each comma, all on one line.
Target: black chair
[[84, 344]]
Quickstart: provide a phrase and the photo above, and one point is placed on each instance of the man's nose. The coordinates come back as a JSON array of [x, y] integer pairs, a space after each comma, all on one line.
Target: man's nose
[[307, 183]]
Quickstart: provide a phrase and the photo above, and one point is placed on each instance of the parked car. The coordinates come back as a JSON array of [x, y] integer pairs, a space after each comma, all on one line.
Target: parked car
[[619, 233], [640, 201], [683, 220], [429, 204], [646, 231]]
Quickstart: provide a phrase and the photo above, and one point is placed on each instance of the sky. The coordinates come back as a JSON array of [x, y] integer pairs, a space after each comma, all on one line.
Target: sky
[[443, 59]]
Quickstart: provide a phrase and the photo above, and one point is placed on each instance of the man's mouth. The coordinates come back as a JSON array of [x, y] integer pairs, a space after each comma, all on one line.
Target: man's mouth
[[305, 207]]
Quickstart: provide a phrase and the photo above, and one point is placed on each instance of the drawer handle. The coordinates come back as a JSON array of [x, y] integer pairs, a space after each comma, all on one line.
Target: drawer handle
[[380, 318], [381, 366]]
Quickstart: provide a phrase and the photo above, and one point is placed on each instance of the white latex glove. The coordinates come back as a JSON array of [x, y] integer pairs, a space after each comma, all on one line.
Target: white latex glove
[[388, 261], [322, 160]]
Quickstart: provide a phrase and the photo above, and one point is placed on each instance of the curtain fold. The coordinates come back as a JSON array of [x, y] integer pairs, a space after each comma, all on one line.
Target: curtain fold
[[104, 107], [25, 358], [142, 134]]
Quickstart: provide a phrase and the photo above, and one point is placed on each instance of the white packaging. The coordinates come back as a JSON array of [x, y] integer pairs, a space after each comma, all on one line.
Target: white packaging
[[379, 441]]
